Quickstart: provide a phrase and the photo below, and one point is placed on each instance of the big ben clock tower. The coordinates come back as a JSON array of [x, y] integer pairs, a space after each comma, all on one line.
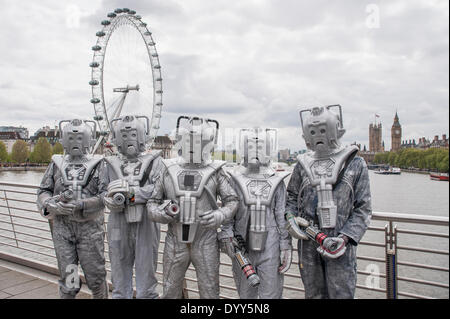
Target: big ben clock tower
[[396, 134]]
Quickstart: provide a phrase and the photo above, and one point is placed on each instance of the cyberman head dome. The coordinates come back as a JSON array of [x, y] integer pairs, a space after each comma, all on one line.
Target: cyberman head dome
[[77, 136], [197, 138], [130, 134], [257, 146], [322, 129]]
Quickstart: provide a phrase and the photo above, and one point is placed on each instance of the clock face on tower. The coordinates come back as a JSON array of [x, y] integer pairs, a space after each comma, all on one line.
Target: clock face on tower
[[397, 132]]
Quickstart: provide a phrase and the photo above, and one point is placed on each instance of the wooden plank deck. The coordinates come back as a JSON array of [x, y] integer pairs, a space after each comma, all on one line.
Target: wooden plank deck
[[18, 285]]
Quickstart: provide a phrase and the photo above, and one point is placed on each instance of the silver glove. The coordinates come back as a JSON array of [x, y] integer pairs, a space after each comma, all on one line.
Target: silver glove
[[332, 247], [227, 246], [285, 260], [212, 218], [293, 226], [120, 186], [112, 205]]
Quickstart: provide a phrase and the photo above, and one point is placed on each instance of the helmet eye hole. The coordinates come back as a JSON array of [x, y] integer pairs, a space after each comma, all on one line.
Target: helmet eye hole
[[322, 131], [313, 132]]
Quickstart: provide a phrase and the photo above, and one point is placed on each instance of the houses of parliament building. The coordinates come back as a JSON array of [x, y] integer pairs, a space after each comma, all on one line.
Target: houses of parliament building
[[376, 143]]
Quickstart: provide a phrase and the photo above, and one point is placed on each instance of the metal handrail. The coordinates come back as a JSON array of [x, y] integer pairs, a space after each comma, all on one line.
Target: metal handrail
[[408, 218], [292, 288]]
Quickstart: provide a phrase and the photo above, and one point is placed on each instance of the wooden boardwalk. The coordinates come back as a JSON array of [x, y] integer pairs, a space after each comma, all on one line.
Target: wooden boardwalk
[[18, 285]]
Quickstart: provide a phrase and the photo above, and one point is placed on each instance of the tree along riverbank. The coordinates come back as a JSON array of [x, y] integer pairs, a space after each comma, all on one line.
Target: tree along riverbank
[[430, 160]]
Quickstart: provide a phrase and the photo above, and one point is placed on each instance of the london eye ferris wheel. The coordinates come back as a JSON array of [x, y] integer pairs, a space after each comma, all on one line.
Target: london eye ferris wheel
[[125, 73]]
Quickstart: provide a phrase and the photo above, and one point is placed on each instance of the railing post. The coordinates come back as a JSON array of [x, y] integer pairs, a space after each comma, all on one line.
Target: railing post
[[390, 238], [10, 219]]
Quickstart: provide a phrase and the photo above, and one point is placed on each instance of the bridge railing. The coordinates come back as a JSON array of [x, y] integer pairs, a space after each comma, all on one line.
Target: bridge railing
[[400, 256]]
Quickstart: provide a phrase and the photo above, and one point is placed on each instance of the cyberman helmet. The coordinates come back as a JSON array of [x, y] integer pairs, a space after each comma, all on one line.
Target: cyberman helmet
[[130, 134], [77, 137], [257, 146], [322, 129], [197, 138]]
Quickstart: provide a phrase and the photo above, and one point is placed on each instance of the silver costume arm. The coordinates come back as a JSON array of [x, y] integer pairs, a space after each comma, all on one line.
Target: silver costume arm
[[142, 194], [218, 215], [95, 203], [285, 238], [226, 231], [155, 210], [359, 220], [292, 205], [228, 196], [280, 207], [45, 192]]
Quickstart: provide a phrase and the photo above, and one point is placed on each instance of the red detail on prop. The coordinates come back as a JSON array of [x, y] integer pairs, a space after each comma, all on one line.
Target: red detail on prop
[[320, 238], [337, 250], [248, 270]]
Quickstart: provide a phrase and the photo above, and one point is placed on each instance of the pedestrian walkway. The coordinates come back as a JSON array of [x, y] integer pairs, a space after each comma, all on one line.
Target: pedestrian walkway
[[24, 283]]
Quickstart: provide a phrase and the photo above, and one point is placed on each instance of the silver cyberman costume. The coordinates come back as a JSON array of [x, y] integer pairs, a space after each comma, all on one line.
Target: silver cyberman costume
[[259, 221], [329, 191], [70, 197], [133, 239], [185, 198]]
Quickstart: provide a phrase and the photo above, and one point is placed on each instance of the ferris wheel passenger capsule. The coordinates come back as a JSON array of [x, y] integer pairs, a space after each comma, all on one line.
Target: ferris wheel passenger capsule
[[94, 64], [106, 22], [100, 34], [125, 10], [98, 118], [138, 17], [95, 100], [132, 12], [111, 15], [118, 11], [93, 82], [96, 48], [147, 33]]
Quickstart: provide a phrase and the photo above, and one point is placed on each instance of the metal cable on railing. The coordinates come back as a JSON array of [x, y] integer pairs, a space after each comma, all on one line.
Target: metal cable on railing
[[25, 235]]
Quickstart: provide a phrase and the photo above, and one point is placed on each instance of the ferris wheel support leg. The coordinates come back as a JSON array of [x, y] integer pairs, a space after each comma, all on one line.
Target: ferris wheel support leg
[[100, 139]]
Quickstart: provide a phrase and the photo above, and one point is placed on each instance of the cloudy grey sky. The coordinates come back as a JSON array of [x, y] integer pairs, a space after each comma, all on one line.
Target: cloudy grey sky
[[244, 63]]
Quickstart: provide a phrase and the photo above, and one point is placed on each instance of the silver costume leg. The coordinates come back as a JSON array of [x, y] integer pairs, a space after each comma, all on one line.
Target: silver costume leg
[[328, 278], [205, 257], [176, 260], [90, 250], [313, 271], [268, 261], [341, 275], [266, 264], [121, 255], [147, 242], [66, 254]]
